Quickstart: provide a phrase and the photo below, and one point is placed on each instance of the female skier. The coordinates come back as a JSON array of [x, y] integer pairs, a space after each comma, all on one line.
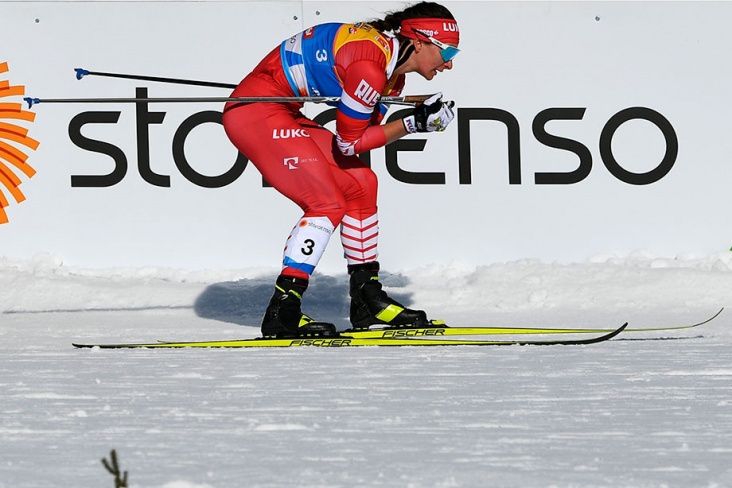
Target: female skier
[[319, 170]]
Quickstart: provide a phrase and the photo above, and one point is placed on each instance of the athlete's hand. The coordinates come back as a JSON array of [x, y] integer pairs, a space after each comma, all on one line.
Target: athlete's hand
[[432, 115]]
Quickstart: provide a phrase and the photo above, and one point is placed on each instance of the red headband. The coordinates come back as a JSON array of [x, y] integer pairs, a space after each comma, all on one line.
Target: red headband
[[445, 30]]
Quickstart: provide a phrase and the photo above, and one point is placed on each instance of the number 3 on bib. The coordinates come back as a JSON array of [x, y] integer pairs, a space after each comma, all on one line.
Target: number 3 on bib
[[307, 242], [308, 249]]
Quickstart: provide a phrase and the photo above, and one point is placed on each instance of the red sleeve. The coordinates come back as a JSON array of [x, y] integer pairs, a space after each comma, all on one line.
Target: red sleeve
[[394, 91], [361, 66]]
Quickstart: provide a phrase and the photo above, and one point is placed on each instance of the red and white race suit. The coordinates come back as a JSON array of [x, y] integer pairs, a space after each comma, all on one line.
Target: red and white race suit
[[317, 169]]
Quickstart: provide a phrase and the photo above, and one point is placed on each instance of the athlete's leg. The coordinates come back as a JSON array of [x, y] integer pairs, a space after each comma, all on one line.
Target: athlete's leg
[[359, 186], [270, 136], [288, 158], [359, 236]]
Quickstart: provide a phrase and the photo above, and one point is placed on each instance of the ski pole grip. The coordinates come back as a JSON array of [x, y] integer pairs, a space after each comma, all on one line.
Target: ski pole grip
[[80, 73], [416, 99]]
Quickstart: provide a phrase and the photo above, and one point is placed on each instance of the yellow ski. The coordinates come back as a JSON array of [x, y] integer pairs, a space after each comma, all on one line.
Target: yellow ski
[[444, 331], [346, 341]]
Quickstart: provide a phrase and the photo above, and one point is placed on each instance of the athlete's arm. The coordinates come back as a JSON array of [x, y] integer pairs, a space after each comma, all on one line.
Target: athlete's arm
[[361, 67], [394, 130]]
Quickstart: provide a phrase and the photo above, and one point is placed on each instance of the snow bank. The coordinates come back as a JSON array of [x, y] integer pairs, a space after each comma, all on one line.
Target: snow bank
[[640, 282]]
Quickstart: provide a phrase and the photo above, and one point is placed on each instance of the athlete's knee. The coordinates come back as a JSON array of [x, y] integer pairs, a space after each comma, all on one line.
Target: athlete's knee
[[372, 182], [334, 209], [367, 181]]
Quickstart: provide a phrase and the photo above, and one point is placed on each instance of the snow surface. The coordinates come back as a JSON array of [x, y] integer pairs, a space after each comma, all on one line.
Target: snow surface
[[632, 412]]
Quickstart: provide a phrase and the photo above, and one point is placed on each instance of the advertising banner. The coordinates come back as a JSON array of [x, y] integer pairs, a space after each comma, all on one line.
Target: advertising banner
[[583, 129]]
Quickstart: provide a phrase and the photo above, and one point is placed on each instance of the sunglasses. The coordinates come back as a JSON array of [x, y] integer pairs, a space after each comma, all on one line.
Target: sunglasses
[[446, 51]]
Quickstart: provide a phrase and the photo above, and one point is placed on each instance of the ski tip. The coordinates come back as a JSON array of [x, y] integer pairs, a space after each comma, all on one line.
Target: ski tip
[[708, 320], [612, 334]]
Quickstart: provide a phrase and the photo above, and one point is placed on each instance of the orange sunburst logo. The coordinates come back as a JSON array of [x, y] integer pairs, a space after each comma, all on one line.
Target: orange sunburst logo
[[12, 158]]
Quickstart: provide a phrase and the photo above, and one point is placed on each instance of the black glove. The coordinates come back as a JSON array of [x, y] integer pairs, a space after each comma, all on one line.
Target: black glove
[[432, 115]]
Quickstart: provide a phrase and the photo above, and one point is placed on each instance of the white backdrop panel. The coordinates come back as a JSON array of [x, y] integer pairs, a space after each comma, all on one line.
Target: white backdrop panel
[[590, 59]]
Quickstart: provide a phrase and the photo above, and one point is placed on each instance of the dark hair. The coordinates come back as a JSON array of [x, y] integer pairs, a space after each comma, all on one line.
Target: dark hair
[[421, 10]]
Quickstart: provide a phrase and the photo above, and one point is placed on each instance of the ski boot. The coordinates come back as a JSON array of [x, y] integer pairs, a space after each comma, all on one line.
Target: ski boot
[[284, 319], [370, 304]]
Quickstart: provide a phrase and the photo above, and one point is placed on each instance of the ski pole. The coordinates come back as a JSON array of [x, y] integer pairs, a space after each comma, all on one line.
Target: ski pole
[[81, 72], [411, 100]]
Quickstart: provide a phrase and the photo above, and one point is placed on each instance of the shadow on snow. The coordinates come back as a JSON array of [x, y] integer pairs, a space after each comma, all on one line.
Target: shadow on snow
[[243, 302]]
